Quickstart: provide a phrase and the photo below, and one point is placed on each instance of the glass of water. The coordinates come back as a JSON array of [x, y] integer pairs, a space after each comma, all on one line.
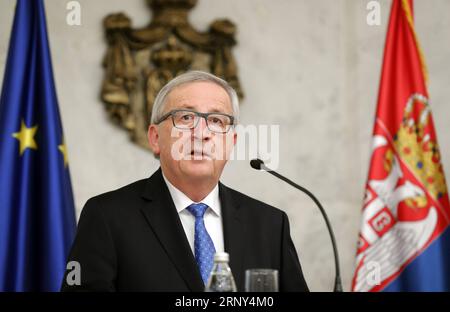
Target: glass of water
[[261, 280]]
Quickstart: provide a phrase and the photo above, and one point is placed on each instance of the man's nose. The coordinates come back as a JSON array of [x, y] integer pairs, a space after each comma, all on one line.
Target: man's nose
[[201, 131]]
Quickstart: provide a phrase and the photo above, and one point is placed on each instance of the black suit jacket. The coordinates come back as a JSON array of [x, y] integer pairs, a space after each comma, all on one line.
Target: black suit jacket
[[131, 239]]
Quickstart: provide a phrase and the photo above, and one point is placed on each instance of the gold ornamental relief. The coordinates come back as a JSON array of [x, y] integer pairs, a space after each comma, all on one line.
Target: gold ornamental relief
[[138, 62]]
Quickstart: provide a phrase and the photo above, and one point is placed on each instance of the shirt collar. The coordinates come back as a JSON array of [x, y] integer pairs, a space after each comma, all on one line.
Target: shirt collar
[[182, 201]]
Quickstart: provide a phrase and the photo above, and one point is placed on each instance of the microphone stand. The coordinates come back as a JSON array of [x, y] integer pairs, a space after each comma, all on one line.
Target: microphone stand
[[258, 165]]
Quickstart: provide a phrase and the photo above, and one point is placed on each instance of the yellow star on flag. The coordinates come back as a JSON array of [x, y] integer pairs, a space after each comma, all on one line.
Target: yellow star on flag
[[63, 150], [26, 137]]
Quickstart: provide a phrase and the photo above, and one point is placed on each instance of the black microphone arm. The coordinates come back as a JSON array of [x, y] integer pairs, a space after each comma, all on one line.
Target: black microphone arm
[[258, 164]]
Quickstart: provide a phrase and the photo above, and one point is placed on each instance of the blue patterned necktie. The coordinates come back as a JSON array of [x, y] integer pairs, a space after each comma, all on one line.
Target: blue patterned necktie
[[203, 245]]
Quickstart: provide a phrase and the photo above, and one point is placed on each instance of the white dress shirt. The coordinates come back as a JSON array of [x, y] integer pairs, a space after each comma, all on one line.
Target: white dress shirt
[[212, 217]]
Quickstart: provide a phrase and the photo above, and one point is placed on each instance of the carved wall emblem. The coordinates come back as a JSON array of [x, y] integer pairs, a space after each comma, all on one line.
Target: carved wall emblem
[[138, 62]]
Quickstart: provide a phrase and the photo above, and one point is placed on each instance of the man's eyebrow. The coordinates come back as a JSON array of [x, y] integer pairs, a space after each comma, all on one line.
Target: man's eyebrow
[[185, 106], [215, 110], [188, 106]]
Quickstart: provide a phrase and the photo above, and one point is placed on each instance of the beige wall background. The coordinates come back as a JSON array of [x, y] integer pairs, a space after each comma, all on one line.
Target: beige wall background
[[312, 67]]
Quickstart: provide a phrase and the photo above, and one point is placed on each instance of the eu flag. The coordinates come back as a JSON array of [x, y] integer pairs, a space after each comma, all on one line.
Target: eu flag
[[37, 216]]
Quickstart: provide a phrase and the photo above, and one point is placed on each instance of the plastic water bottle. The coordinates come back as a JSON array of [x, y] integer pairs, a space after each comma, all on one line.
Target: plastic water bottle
[[221, 279]]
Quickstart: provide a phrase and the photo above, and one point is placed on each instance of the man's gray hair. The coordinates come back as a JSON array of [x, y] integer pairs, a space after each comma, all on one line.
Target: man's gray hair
[[188, 77]]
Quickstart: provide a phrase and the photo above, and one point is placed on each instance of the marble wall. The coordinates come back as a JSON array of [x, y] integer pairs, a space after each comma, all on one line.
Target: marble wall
[[312, 67]]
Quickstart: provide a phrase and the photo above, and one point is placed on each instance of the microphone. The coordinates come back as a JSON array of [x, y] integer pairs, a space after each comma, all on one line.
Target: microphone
[[258, 164]]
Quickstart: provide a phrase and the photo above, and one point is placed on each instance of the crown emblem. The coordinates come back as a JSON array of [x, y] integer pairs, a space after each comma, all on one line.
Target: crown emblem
[[416, 145]]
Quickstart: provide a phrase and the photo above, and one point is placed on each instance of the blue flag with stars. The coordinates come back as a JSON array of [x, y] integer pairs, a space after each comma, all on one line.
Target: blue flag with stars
[[37, 216]]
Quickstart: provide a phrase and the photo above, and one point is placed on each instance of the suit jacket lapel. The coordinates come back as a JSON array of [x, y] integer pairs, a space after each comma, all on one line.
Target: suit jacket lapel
[[234, 234], [162, 216]]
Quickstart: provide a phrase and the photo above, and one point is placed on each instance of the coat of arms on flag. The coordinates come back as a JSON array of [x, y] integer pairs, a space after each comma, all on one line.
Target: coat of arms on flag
[[406, 207]]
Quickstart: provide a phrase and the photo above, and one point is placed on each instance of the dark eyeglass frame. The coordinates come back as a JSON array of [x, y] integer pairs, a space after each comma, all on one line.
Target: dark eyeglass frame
[[198, 114]]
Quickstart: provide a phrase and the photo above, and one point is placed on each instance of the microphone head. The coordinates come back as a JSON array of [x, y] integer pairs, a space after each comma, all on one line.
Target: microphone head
[[256, 163]]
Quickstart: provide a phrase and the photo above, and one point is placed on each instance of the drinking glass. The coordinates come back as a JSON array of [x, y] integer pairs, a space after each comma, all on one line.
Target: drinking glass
[[261, 280]]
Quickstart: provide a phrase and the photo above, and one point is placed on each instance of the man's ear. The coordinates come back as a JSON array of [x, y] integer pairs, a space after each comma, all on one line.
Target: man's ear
[[153, 136]]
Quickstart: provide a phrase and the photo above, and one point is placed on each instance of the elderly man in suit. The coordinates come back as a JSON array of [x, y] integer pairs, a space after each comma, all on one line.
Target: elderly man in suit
[[160, 233]]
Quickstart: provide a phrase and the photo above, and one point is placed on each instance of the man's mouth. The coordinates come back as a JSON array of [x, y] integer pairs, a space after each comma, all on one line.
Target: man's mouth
[[196, 155]]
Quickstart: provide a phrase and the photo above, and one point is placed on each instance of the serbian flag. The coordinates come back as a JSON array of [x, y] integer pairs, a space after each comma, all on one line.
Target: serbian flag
[[404, 243]]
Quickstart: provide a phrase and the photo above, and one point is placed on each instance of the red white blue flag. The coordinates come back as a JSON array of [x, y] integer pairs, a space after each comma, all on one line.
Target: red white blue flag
[[404, 243]]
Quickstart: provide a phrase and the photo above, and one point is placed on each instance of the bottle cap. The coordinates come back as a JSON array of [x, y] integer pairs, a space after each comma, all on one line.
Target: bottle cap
[[221, 257]]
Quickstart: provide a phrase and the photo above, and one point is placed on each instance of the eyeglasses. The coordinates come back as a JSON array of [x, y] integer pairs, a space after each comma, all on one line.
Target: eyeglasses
[[185, 119]]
